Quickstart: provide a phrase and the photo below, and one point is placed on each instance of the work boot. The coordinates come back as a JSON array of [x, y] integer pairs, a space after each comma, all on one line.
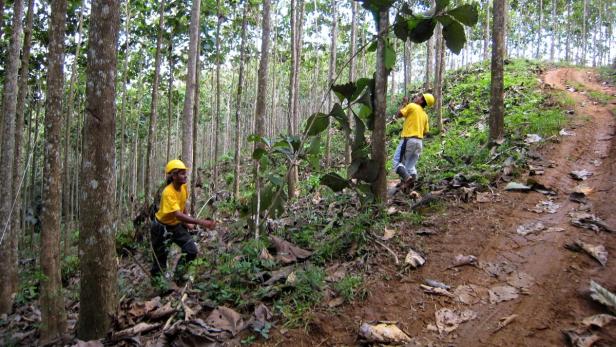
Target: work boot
[[401, 171], [407, 185]]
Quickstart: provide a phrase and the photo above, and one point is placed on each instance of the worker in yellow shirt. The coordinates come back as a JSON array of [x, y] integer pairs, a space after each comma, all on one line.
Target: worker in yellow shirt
[[171, 222], [414, 129]]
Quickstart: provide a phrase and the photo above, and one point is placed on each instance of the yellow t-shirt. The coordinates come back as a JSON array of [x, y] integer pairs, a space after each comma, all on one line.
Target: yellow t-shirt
[[415, 121], [170, 201]]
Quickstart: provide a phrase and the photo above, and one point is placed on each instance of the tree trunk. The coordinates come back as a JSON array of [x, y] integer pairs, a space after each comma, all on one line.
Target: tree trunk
[[379, 187], [554, 31], [8, 236], [261, 95], [66, 183], [429, 59], [583, 51], [486, 32], [97, 296], [539, 28], [293, 76], [194, 173], [330, 80], [170, 100], [352, 73], [189, 98], [120, 190], [19, 121], [497, 107], [238, 104], [53, 315], [438, 78], [154, 106], [217, 112]]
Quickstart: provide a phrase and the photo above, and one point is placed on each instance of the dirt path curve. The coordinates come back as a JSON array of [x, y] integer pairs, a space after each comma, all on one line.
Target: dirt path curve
[[551, 282]]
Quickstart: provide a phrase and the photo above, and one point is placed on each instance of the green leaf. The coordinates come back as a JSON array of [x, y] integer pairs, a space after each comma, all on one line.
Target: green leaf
[[335, 182], [258, 153], [254, 138], [454, 36], [316, 124], [466, 14], [315, 146], [276, 180], [361, 85], [401, 28], [423, 31], [344, 91], [440, 5], [338, 114], [390, 56], [366, 170], [372, 47], [375, 5]]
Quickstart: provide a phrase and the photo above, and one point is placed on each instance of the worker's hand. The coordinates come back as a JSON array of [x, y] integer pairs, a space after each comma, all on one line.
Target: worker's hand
[[405, 100], [208, 224]]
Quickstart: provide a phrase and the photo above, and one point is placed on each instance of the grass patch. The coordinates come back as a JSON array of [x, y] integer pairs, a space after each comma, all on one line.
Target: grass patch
[[563, 99], [599, 97]]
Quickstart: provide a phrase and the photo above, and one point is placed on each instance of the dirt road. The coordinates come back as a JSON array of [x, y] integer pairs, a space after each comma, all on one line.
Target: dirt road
[[550, 283]]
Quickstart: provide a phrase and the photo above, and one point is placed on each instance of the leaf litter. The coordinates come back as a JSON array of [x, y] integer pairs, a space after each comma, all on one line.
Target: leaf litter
[[598, 252], [448, 320], [385, 332]]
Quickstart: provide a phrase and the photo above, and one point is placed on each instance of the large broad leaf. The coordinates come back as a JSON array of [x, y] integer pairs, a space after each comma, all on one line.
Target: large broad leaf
[[276, 180], [466, 14], [440, 5], [340, 116], [335, 181], [401, 28], [361, 85], [390, 56], [359, 140], [366, 170], [366, 99], [315, 146], [258, 153], [316, 124], [423, 31], [344, 91], [454, 36], [376, 5], [272, 199]]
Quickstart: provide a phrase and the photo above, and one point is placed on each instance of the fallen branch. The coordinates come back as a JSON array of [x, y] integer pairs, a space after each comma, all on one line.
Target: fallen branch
[[135, 330], [388, 249]]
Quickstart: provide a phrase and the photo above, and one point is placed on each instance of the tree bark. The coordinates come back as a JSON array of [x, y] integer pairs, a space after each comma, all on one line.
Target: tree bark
[[352, 73], [170, 100], [53, 315], [497, 107], [554, 31], [486, 32], [120, 190], [19, 121], [8, 236], [261, 95], [330, 80], [583, 51], [217, 114], [540, 27], [238, 104], [379, 186], [438, 76], [293, 77], [189, 98], [66, 183], [154, 106], [97, 296]]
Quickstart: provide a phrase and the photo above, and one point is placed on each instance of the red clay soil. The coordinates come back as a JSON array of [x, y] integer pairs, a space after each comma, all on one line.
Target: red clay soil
[[556, 299]]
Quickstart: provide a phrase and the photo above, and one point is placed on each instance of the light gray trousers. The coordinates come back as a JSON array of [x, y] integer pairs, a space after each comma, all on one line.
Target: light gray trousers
[[406, 156]]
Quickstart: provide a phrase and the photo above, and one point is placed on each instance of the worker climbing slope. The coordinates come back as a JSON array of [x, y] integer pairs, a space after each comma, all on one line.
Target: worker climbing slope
[[414, 129], [171, 222]]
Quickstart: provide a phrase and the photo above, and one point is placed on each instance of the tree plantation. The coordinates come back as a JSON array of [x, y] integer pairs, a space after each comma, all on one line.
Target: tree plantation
[[262, 138]]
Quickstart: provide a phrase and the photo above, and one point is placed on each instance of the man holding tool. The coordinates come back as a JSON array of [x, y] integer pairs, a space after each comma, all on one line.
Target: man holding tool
[[171, 222]]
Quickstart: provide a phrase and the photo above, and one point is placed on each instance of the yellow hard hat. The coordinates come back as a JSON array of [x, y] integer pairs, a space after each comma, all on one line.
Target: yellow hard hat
[[429, 99], [175, 164]]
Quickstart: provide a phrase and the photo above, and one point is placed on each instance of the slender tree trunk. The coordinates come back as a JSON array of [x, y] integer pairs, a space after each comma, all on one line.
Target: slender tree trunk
[[438, 78], [8, 236], [554, 31], [539, 28], [217, 114], [97, 296], [330, 79], [238, 104], [497, 107], [293, 76], [120, 190], [53, 315], [170, 100], [19, 121], [583, 51], [261, 97], [486, 32], [154, 106], [189, 98], [66, 184], [352, 73], [1, 19], [379, 187], [194, 173]]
